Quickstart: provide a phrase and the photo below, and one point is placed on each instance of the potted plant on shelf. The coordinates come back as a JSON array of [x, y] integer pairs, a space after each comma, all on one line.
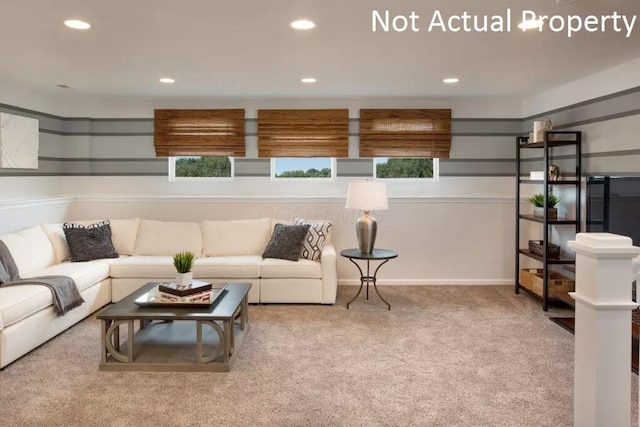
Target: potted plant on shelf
[[183, 262], [537, 200]]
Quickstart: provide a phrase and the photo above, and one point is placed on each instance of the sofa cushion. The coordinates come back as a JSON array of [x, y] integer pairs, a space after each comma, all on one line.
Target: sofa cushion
[[123, 236], [144, 266], [31, 249], [286, 242], [18, 302], [85, 274], [168, 238], [241, 267], [87, 243], [55, 233], [138, 266], [280, 268], [235, 237], [315, 238]]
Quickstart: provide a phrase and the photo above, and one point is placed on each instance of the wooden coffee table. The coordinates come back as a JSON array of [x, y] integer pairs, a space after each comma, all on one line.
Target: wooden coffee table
[[175, 338]]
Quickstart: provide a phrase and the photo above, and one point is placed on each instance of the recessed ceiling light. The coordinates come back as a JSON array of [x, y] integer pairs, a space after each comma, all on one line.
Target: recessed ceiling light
[[167, 80], [308, 80], [530, 24], [303, 24], [77, 24], [564, 1], [451, 80]]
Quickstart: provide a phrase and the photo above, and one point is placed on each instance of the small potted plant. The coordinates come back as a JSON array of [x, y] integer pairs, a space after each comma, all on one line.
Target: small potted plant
[[537, 200], [183, 262]]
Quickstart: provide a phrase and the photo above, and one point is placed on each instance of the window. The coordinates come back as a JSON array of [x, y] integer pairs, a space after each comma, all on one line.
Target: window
[[199, 167], [302, 167], [404, 167]]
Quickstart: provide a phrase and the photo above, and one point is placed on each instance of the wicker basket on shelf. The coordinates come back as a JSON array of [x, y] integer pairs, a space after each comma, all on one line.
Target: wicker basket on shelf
[[525, 279], [531, 279]]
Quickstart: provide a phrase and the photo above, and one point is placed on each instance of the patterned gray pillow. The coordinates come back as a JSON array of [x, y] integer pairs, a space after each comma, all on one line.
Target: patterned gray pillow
[[286, 242], [90, 242], [315, 238]]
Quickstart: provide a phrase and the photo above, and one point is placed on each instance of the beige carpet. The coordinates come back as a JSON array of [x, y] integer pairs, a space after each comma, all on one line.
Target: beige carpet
[[443, 356]]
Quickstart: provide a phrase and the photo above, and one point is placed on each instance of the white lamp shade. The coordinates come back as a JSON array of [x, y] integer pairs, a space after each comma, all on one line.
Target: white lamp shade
[[367, 196]]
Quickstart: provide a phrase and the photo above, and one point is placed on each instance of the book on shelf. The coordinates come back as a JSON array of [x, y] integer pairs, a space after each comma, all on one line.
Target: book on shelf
[[536, 175], [204, 296], [192, 288]]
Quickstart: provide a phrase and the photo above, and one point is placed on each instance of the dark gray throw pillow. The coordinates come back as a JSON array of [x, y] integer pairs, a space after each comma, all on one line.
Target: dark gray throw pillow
[[90, 242], [286, 242]]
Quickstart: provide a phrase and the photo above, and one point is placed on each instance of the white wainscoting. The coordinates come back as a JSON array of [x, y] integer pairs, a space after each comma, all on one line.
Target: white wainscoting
[[440, 240], [17, 215]]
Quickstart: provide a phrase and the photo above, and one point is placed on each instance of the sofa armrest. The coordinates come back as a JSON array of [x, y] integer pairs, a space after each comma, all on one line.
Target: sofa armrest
[[329, 274]]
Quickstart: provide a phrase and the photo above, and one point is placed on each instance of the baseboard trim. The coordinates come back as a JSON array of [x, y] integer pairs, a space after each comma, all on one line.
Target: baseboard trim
[[431, 282]]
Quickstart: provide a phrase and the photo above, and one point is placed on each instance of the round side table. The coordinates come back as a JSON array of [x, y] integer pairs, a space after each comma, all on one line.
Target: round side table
[[383, 255]]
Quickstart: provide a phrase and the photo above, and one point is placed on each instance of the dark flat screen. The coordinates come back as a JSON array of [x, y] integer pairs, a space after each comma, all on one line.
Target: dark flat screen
[[613, 205]]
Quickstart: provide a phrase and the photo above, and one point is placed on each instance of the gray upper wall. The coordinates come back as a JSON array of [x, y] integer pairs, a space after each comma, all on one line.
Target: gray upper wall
[[480, 147], [621, 104], [610, 128]]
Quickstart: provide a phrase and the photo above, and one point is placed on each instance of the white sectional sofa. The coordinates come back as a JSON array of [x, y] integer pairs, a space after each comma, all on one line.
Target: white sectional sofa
[[227, 251]]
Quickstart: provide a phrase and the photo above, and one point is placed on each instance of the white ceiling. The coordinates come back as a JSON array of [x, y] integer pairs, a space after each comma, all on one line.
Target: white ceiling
[[245, 48]]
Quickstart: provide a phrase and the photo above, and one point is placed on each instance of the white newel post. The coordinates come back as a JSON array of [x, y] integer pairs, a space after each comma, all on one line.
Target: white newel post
[[602, 374]]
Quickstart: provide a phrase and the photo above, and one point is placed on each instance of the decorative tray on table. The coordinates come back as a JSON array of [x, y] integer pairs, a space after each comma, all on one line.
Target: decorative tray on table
[[155, 298]]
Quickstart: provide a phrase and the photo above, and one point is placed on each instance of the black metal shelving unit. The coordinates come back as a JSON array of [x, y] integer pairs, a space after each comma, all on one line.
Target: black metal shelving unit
[[551, 140]]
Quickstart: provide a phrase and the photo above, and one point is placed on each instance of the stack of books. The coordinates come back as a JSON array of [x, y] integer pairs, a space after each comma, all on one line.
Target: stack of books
[[195, 292]]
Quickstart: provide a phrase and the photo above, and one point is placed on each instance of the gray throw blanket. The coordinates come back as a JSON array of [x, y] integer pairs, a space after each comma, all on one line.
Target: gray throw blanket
[[65, 292]]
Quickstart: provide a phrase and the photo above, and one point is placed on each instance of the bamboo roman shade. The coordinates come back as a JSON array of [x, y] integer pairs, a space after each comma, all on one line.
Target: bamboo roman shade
[[199, 133], [303, 133], [405, 133]]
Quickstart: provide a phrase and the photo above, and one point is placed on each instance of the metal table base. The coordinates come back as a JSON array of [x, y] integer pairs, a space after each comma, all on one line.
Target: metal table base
[[383, 255]]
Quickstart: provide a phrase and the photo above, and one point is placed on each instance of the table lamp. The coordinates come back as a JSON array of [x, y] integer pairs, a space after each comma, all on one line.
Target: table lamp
[[367, 196]]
